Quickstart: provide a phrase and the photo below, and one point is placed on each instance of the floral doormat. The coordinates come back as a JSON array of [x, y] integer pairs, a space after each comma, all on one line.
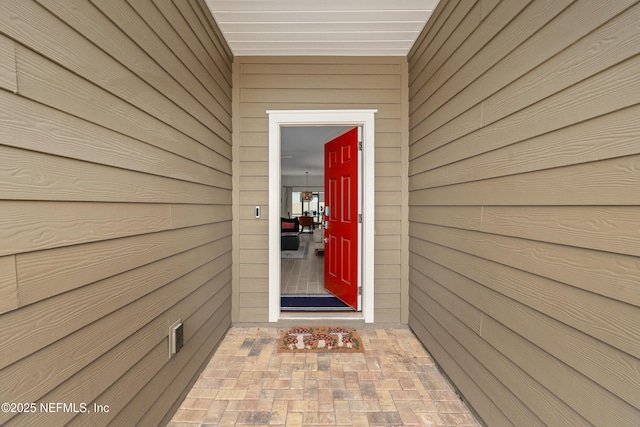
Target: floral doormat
[[329, 339]]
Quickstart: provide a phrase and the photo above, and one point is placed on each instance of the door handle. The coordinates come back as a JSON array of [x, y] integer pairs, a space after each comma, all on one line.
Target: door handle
[[327, 211]]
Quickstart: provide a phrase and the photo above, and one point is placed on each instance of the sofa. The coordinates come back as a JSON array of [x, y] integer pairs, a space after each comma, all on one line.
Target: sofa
[[289, 234]]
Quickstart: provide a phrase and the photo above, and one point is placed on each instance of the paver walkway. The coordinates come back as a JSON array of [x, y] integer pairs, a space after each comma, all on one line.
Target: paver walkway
[[393, 383]]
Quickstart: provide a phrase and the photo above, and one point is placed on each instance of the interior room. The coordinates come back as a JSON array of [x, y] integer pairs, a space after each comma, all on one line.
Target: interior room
[[303, 197]]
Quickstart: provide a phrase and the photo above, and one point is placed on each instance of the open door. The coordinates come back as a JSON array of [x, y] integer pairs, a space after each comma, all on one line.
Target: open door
[[341, 218]]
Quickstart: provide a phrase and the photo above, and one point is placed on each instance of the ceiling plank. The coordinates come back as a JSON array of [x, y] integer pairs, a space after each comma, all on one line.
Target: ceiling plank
[[332, 27]]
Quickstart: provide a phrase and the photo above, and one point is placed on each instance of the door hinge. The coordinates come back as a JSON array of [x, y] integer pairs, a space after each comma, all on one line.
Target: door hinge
[[360, 218], [360, 145], [360, 290]]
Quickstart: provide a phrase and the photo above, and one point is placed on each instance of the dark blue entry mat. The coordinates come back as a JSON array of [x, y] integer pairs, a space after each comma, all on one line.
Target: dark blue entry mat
[[290, 302]]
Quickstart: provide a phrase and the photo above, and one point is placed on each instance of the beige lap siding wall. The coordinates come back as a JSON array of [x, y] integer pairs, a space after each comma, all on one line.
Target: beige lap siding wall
[[319, 83], [524, 183], [115, 199]]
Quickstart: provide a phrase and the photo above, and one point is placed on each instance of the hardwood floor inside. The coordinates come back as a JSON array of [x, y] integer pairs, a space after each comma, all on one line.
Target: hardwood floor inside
[[303, 276]]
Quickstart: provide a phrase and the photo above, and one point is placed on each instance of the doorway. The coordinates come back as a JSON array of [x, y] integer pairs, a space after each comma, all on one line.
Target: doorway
[[321, 271], [304, 198], [279, 120]]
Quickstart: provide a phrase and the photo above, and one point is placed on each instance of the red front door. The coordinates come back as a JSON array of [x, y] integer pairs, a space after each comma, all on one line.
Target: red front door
[[341, 217]]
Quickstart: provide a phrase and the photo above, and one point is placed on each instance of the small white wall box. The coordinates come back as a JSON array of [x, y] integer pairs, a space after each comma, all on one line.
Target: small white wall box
[[176, 337]]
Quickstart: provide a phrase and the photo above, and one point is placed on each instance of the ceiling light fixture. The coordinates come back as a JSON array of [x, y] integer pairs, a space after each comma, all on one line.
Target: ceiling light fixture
[[307, 195]]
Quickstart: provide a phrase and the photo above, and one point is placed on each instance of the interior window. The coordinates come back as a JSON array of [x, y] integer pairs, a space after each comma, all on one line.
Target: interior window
[[313, 207]]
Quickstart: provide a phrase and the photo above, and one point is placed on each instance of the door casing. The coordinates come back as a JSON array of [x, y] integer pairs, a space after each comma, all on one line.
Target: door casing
[[362, 118]]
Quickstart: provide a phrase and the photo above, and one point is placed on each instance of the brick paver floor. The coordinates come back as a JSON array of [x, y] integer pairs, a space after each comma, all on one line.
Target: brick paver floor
[[393, 383]]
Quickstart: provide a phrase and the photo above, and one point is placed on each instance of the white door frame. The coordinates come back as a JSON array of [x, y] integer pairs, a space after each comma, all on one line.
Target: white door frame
[[363, 118]]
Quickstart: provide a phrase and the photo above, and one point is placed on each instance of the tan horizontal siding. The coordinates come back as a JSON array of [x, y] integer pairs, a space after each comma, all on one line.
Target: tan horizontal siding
[[606, 182], [157, 399], [422, 324], [319, 83], [8, 284], [8, 75], [610, 136], [523, 207], [116, 195], [609, 228], [50, 131]]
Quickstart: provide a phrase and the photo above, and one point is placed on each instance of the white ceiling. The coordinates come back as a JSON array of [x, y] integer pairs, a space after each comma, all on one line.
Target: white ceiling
[[302, 148], [328, 27]]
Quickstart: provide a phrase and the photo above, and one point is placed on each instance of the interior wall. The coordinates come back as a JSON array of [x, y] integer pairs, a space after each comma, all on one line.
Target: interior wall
[[524, 190], [115, 205], [318, 83]]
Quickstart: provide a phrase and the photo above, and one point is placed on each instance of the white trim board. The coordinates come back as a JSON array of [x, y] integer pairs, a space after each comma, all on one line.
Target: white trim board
[[363, 118]]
